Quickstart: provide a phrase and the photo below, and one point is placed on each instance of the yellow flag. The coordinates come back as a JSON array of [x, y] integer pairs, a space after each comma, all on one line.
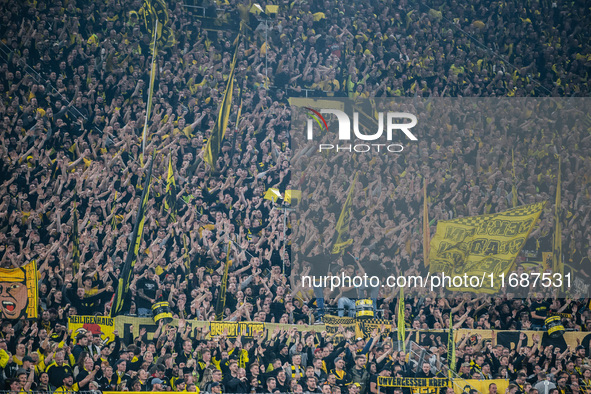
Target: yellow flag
[[221, 303], [292, 195], [171, 192], [426, 229], [272, 194], [558, 267], [343, 236], [214, 143], [451, 346], [122, 301], [481, 245], [318, 16], [150, 91], [401, 323]]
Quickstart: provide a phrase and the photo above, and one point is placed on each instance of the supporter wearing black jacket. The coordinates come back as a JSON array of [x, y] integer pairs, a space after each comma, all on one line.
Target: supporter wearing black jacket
[[425, 371], [58, 369]]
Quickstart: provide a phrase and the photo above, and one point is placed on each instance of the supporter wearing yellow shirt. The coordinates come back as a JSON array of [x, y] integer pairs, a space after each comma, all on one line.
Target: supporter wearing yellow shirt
[[69, 386]]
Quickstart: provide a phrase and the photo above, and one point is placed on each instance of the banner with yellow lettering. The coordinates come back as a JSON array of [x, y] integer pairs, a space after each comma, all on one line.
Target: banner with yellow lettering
[[235, 329], [481, 245], [332, 323], [365, 327], [386, 381], [98, 325], [417, 385], [18, 289], [130, 325]]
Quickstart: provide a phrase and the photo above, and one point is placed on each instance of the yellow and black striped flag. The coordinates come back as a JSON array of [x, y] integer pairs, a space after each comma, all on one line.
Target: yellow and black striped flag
[[343, 236], [401, 329], [426, 228], [186, 256], [150, 93], [122, 299], [156, 21], [557, 266], [214, 143], [221, 304], [171, 191], [451, 346], [113, 212], [75, 241]]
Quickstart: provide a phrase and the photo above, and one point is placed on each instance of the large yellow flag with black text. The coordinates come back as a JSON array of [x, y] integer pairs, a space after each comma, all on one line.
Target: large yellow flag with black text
[[482, 245], [122, 299], [214, 143], [343, 236], [18, 292]]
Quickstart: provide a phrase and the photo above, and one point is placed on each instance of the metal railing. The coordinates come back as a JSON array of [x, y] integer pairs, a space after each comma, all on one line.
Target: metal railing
[[418, 354]]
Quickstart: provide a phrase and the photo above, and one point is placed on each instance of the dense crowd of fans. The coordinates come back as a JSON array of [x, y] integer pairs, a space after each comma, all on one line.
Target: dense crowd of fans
[[74, 85]]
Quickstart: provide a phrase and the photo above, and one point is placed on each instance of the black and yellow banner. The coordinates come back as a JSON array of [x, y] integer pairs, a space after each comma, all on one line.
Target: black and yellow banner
[[97, 325], [221, 303], [481, 245], [18, 292], [426, 228], [451, 345], [236, 329], [128, 325], [401, 322], [214, 143], [363, 327], [557, 265], [386, 381], [462, 386], [156, 22], [122, 300], [343, 237], [332, 323]]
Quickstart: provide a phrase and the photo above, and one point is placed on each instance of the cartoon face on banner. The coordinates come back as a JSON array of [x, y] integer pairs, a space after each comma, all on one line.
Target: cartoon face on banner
[[18, 292]]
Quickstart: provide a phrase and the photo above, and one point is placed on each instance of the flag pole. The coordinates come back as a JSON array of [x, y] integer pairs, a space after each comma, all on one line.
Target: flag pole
[[149, 104]]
